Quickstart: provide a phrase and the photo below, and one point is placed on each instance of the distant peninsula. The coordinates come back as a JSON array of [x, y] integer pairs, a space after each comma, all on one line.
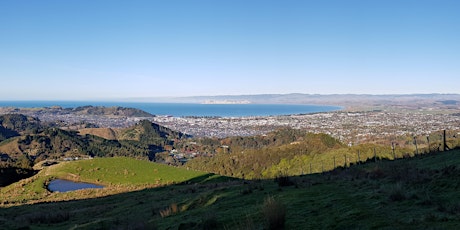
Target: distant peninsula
[[116, 111], [351, 102], [226, 102]]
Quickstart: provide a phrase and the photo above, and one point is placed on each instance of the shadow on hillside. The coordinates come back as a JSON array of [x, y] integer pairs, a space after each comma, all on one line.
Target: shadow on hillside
[[146, 209], [12, 175], [99, 211]]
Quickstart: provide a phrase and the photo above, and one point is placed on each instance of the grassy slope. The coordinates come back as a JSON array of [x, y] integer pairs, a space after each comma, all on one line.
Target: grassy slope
[[416, 193], [118, 174], [107, 133], [10, 146]]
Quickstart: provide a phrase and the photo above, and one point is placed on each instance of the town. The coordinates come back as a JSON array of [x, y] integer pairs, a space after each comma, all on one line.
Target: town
[[349, 127]]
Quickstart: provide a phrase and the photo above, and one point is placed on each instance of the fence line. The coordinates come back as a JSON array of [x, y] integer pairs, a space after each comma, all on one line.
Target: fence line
[[434, 143]]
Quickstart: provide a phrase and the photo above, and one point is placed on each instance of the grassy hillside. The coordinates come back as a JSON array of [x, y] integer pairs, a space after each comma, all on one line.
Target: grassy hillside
[[106, 133], [415, 193], [118, 174], [145, 131], [290, 152]]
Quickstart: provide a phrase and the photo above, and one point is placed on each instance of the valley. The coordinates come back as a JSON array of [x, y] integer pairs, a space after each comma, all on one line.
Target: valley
[[346, 165]]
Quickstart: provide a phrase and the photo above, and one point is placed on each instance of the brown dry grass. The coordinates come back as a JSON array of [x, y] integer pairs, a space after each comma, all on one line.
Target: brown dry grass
[[10, 147], [107, 133]]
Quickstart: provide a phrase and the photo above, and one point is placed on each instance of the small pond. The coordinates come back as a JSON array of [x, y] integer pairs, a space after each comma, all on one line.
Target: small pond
[[59, 185]]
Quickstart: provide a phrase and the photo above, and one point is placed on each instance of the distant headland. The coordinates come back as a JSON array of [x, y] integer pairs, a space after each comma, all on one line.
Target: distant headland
[[352, 102]]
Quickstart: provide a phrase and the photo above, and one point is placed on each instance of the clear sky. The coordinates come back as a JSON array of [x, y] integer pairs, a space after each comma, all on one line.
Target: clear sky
[[96, 49]]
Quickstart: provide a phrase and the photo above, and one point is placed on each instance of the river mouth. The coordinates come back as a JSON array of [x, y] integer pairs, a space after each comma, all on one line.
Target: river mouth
[[59, 185]]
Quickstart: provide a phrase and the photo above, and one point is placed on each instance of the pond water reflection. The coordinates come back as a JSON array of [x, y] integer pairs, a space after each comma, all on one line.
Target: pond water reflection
[[59, 185]]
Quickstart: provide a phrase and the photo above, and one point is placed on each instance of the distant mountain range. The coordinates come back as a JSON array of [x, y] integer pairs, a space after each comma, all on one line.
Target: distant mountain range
[[350, 101]]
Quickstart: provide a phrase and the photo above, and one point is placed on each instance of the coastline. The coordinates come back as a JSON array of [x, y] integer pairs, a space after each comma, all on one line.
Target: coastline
[[180, 109]]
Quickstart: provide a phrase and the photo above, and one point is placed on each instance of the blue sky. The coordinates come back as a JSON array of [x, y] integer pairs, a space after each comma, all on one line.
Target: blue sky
[[95, 49]]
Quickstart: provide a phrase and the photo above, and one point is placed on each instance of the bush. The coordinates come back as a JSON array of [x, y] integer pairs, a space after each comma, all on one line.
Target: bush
[[284, 181], [274, 213], [46, 217], [397, 193]]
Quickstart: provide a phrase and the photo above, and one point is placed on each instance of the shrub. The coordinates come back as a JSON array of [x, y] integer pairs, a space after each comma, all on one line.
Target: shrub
[[47, 218], [376, 173], [246, 191], [284, 181], [274, 213], [397, 193]]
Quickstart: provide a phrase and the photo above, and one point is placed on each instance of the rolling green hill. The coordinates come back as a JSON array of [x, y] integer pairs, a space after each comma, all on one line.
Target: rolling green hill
[[413, 193], [119, 174]]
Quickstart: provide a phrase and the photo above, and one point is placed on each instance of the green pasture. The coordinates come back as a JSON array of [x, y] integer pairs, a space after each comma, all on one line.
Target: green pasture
[[412, 193]]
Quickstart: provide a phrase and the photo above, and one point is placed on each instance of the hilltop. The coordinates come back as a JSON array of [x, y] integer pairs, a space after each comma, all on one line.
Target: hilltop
[[82, 117], [116, 111]]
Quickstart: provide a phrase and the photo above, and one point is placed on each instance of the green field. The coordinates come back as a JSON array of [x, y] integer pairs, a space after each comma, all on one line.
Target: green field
[[414, 193], [118, 174]]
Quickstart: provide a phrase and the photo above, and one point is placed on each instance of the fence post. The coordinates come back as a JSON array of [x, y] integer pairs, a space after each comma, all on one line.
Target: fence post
[[359, 157], [428, 140], [375, 156], [393, 148], [444, 140]]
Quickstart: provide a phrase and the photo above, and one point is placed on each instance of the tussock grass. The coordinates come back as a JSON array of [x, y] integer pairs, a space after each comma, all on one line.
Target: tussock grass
[[274, 213], [45, 217], [397, 192], [171, 210]]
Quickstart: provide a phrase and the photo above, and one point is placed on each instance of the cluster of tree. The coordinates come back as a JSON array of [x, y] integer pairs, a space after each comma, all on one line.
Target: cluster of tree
[[12, 125], [7, 133], [33, 142], [12, 174], [236, 144], [288, 152], [263, 152]]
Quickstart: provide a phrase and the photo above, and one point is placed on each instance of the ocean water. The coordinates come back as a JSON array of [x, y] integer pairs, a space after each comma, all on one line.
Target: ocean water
[[187, 109]]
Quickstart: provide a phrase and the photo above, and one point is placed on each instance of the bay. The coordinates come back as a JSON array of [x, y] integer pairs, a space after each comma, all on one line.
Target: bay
[[187, 109]]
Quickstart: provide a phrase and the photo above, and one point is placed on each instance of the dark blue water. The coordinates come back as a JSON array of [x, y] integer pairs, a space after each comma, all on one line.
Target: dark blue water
[[182, 109], [59, 185]]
